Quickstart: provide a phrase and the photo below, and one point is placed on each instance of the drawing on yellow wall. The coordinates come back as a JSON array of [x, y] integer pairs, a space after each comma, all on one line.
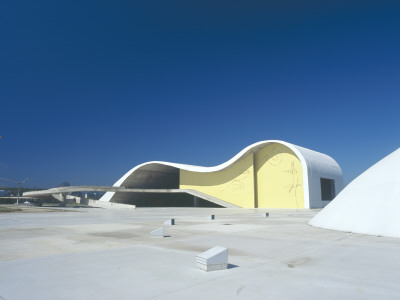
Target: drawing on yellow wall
[[238, 183], [274, 157], [295, 185], [234, 184], [279, 181], [276, 169]]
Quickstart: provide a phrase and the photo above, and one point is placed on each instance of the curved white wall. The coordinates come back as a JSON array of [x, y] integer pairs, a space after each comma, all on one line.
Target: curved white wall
[[370, 204]]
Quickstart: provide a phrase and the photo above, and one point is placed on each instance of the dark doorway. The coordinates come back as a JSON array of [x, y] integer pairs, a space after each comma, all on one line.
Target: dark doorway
[[327, 189]]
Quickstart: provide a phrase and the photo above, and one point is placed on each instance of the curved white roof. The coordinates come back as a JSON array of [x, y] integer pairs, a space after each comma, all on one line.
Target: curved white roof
[[312, 162]]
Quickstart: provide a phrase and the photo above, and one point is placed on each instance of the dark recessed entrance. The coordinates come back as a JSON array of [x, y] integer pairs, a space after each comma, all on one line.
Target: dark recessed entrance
[[327, 189]]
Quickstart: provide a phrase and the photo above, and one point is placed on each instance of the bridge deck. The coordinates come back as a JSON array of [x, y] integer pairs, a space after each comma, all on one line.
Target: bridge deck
[[89, 188]]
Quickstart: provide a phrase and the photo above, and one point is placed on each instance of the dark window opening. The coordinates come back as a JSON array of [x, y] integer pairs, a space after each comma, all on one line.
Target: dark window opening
[[327, 189]]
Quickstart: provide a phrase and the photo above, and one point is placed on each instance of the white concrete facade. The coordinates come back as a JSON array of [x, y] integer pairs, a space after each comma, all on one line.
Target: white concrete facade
[[315, 165]]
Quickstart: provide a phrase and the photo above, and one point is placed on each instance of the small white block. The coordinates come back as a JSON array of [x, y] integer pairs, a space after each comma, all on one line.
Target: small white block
[[265, 214], [159, 232], [213, 259], [170, 222], [211, 217]]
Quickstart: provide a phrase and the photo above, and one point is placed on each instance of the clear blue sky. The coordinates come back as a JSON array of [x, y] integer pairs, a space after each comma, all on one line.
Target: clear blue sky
[[89, 89]]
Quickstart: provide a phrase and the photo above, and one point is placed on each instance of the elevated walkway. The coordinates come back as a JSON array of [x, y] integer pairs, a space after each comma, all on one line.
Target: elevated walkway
[[60, 193]]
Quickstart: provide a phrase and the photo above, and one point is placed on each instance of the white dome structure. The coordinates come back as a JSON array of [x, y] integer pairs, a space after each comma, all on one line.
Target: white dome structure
[[370, 204]]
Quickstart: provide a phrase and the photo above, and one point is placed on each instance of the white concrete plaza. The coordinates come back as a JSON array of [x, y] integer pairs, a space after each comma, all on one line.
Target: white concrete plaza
[[109, 254]]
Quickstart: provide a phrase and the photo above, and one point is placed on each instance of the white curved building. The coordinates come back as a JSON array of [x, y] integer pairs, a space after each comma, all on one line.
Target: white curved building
[[270, 174]]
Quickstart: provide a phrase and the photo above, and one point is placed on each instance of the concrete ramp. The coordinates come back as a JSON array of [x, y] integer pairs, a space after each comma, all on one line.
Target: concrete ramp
[[61, 192], [210, 198]]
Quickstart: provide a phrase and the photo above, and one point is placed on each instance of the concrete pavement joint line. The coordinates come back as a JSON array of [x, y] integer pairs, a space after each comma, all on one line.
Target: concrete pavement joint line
[[211, 279], [251, 267], [261, 257], [74, 253], [190, 286]]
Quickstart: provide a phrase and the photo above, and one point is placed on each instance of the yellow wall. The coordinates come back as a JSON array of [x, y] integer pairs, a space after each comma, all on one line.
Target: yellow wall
[[279, 178], [234, 184], [278, 173]]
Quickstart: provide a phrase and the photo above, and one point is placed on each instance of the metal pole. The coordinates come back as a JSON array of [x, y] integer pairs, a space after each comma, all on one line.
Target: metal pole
[[19, 187]]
